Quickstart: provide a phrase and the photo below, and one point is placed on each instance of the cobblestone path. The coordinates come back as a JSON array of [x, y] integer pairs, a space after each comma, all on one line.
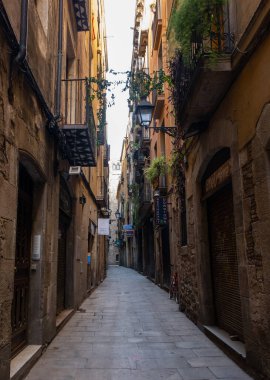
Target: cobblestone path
[[130, 330]]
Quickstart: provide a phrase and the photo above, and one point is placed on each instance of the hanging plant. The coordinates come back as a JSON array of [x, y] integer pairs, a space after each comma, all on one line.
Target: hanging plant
[[158, 167]]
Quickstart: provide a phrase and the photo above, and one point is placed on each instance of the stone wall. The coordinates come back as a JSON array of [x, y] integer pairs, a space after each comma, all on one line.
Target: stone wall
[[240, 124], [25, 140]]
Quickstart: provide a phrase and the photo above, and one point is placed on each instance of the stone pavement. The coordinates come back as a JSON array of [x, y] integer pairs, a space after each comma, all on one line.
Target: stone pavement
[[130, 330]]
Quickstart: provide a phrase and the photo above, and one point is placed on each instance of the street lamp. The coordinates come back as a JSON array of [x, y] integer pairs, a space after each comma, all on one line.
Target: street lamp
[[144, 112], [117, 214]]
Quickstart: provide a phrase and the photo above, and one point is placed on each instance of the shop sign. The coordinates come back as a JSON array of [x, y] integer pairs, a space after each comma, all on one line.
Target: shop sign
[[221, 175], [161, 214], [104, 226], [128, 230]]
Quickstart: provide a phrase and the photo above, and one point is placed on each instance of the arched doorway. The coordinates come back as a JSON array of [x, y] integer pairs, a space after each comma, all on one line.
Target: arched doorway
[[65, 215], [20, 304], [218, 195]]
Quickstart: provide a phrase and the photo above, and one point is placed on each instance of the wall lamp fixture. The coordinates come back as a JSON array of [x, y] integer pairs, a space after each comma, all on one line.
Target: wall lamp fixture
[[117, 214], [82, 200], [144, 112]]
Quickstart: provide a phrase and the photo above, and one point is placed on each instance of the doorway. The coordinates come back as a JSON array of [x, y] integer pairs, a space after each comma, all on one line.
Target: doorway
[[224, 262], [65, 216], [20, 304], [166, 256]]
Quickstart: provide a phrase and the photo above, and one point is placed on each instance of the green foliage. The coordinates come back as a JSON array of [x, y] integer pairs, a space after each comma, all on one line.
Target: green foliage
[[134, 146], [194, 18], [175, 162], [139, 84], [158, 167]]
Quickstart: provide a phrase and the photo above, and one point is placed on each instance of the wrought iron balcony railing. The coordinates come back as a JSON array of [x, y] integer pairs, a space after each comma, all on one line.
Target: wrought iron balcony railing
[[81, 14], [102, 191], [147, 191], [158, 99], [78, 123], [206, 70], [157, 25], [107, 155], [146, 134]]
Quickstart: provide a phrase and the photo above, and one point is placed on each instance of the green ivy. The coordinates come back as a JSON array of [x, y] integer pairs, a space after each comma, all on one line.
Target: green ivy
[[139, 84]]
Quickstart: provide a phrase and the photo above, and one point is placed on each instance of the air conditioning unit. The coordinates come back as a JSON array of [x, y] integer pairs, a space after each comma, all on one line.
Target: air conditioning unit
[[74, 170]]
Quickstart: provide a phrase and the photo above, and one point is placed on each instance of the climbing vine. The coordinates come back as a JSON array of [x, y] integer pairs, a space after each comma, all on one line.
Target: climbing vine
[[139, 84]]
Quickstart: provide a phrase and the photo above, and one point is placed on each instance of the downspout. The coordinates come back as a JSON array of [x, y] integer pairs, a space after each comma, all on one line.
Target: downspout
[[23, 32], [59, 63]]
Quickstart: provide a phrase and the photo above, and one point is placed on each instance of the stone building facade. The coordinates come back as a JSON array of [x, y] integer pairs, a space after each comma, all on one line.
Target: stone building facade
[[50, 254], [224, 122], [218, 194], [115, 174], [156, 252]]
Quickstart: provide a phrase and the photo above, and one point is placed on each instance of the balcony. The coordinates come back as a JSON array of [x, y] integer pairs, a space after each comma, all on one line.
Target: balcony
[[158, 101], [141, 159], [101, 137], [201, 83], [106, 159], [102, 192], [145, 197], [145, 141], [157, 26], [78, 123], [81, 14], [162, 185]]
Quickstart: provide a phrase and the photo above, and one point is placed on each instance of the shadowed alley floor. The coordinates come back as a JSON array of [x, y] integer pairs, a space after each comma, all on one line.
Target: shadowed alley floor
[[131, 330]]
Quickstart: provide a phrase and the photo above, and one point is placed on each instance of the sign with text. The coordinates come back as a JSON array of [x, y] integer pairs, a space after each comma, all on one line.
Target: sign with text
[[221, 175], [104, 226], [128, 230], [161, 215]]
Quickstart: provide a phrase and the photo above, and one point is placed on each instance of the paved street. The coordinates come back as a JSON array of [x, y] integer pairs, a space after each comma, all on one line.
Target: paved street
[[131, 330]]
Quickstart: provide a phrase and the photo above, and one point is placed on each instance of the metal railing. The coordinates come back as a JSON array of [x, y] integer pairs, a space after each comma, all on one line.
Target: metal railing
[[147, 191], [219, 42], [102, 188], [77, 107], [107, 151], [146, 134], [74, 93], [156, 19]]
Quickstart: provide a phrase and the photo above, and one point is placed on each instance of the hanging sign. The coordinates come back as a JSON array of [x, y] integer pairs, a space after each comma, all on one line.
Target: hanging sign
[[127, 227], [161, 215], [128, 230], [104, 226]]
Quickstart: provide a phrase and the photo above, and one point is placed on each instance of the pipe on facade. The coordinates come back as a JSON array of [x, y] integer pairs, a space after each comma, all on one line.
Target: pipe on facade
[[15, 48], [23, 32], [59, 62]]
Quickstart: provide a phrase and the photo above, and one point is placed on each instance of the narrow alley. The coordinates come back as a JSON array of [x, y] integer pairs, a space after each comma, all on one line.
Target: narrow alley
[[129, 329]]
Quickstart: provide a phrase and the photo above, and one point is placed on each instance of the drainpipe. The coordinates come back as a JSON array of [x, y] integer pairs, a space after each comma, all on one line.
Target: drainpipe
[[23, 32], [59, 62]]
